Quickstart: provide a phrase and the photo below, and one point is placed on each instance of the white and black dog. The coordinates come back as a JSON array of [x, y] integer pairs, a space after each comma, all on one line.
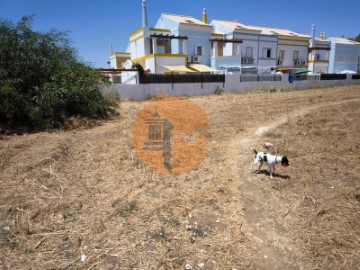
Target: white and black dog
[[271, 161]]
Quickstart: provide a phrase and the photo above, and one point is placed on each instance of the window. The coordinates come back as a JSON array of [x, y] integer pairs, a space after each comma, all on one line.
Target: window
[[267, 53], [296, 55], [340, 58], [248, 52], [282, 54], [247, 58], [198, 50], [317, 56], [236, 49]]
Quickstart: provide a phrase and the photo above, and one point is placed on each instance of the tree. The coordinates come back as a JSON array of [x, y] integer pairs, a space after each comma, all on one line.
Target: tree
[[42, 82], [357, 38]]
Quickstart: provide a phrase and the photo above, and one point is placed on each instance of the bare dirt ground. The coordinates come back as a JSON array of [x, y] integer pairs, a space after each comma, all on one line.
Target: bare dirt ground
[[82, 199]]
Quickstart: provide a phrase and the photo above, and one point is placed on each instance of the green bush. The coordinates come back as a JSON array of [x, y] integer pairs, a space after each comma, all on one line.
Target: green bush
[[11, 104], [42, 82]]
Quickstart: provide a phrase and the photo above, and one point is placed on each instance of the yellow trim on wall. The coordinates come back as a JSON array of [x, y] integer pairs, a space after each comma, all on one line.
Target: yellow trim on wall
[[160, 30], [318, 61], [143, 58], [216, 35], [295, 39], [135, 39], [158, 55], [169, 55], [139, 59], [306, 46], [120, 53], [136, 32], [155, 65]]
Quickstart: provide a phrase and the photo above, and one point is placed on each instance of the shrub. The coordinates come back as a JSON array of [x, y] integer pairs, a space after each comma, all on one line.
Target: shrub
[[42, 82]]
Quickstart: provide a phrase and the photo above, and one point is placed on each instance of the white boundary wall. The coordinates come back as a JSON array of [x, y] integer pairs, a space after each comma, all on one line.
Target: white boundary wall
[[232, 84]]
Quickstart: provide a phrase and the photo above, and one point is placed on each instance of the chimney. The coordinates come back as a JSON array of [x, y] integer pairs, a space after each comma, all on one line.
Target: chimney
[[110, 47], [312, 41], [144, 14], [204, 16]]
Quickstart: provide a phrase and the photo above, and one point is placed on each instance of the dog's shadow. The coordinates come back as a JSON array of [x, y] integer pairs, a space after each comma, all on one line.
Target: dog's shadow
[[275, 175]]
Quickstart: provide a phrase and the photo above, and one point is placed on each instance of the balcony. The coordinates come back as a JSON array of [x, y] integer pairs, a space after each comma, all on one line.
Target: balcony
[[247, 60], [225, 61], [298, 63]]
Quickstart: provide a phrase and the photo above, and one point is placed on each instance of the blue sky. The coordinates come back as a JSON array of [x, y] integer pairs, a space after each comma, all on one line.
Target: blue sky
[[93, 24]]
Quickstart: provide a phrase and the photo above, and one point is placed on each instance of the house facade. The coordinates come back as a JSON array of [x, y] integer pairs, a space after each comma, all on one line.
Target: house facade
[[319, 53], [184, 44], [174, 43], [152, 48], [292, 47], [265, 47], [197, 33], [344, 55], [254, 51]]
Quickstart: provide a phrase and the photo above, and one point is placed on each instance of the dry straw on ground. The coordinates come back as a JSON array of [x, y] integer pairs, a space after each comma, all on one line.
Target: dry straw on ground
[[82, 199]]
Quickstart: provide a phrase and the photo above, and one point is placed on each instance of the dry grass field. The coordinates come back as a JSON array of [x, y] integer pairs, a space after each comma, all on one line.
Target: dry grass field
[[82, 199]]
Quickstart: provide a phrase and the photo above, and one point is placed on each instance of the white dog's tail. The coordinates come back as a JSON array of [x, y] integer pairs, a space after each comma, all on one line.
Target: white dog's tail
[[253, 149]]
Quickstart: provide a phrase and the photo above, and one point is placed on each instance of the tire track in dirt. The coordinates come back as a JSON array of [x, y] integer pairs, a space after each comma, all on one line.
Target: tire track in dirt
[[269, 237]]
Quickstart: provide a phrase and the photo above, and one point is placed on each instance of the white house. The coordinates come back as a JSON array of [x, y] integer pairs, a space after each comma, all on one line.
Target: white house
[[344, 55], [184, 44], [292, 47], [253, 49], [177, 43], [196, 46], [319, 53], [152, 48]]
